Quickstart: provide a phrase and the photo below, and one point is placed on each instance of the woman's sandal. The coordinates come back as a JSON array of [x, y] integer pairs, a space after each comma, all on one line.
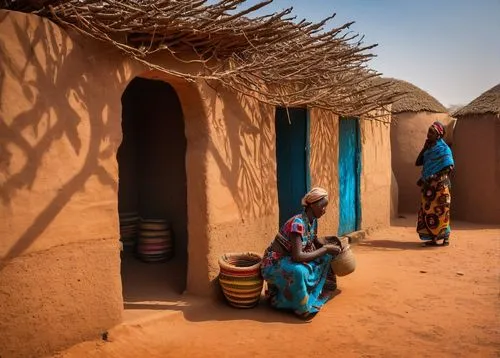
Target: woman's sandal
[[431, 243], [446, 242]]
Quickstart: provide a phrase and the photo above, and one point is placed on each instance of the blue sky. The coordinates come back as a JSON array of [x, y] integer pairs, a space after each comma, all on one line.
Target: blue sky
[[449, 48]]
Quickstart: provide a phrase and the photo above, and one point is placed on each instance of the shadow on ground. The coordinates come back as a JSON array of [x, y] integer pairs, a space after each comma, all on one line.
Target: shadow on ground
[[410, 220], [155, 290], [394, 244]]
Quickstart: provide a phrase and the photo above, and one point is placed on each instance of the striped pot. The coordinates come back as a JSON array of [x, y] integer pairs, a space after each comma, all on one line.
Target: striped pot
[[155, 241], [240, 279]]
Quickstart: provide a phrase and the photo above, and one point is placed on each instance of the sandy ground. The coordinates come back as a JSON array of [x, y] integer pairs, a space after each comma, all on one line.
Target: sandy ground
[[404, 300]]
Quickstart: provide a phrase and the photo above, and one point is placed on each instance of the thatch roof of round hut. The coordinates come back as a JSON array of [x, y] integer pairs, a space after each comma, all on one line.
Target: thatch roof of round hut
[[414, 99], [487, 103]]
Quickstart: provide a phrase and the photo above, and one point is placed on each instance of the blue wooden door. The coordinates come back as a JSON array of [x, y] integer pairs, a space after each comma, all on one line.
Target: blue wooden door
[[292, 156], [349, 173]]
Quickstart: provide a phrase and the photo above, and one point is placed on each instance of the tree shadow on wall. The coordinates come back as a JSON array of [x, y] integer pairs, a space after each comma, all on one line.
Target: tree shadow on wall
[[324, 143], [244, 155], [57, 78]]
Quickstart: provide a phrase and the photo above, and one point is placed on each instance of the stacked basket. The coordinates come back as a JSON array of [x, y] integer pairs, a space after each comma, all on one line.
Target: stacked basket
[[240, 279], [155, 241], [128, 230]]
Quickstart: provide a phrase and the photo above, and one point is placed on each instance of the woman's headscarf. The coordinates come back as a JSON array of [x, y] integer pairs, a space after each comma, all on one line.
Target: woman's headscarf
[[314, 195], [439, 128]]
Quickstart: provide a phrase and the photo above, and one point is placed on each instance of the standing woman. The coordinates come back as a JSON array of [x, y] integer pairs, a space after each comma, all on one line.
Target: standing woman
[[296, 265], [434, 214]]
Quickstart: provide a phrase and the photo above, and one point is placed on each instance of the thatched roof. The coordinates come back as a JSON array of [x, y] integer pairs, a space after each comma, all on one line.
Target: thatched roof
[[271, 57], [413, 99], [487, 103]]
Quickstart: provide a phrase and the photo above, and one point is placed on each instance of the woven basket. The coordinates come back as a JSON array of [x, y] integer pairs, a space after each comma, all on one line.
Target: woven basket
[[128, 230], [240, 279], [155, 242], [344, 263]]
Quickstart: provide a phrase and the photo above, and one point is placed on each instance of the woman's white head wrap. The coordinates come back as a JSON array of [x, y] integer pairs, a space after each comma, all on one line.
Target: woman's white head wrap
[[314, 195]]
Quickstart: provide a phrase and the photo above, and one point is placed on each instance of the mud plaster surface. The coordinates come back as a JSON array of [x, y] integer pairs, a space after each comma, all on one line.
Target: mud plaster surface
[[54, 298], [476, 180], [375, 174]]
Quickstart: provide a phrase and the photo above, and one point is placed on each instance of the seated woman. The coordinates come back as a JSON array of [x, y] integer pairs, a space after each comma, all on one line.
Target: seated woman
[[296, 265], [434, 214]]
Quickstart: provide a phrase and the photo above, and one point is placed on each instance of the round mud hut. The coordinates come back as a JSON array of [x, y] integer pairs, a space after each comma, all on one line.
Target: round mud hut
[[412, 115], [476, 183]]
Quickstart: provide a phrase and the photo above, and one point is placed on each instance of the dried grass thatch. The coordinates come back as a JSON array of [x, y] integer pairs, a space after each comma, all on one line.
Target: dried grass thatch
[[271, 57], [413, 99], [487, 103]]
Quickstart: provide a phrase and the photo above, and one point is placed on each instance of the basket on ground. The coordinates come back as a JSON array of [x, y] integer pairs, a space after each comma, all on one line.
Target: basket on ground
[[240, 278]]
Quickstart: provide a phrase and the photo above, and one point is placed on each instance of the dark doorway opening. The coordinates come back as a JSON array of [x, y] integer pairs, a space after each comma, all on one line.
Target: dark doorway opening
[[152, 194]]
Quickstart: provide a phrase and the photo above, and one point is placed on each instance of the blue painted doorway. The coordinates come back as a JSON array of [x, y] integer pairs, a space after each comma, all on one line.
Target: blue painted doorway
[[349, 175], [292, 157]]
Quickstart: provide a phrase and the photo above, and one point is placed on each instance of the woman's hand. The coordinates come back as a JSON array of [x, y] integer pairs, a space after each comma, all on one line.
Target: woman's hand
[[420, 159], [300, 256], [332, 249], [427, 144], [319, 241]]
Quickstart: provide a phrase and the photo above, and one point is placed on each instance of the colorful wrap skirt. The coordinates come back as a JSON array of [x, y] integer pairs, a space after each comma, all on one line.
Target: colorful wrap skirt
[[303, 287], [434, 214]]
